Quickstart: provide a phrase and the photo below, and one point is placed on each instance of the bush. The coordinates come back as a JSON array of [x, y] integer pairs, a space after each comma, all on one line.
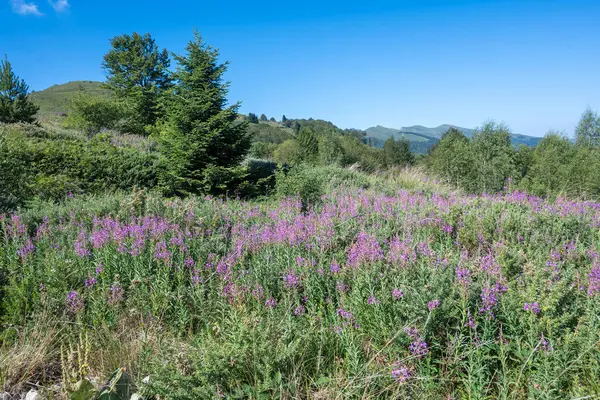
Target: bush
[[91, 114], [310, 183], [43, 166], [263, 150]]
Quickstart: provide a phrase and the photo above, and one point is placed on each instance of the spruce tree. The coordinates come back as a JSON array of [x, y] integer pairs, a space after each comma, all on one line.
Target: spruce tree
[[137, 72], [15, 105], [201, 142], [263, 118], [252, 118], [397, 152]]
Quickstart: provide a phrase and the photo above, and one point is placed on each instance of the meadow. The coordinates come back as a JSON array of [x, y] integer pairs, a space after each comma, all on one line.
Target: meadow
[[386, 289]]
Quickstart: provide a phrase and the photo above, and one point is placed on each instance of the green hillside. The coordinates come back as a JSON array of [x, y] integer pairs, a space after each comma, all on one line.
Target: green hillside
[[55, 99]]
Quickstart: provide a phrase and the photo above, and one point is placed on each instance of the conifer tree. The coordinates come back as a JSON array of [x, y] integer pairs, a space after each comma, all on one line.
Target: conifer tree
[[200, 140], [263, 118], [252, 118], [15, 105]]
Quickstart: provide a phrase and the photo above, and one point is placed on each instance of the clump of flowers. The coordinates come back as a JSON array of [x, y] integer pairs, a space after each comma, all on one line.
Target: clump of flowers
[[433, 304], [26, 250], [489, 298], [291, 280], [74, 302], [594, 281], [372, 300], [400, 373], [115, 295], [418, 347], [300, 310], [365, 249], [533, 307], [271, 303], [335, 267], [464, 276], [397, 294]]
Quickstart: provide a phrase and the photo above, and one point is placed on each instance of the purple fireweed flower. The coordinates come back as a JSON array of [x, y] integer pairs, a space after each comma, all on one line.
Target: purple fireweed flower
[[447, 228], [594, 281], [189, 262], [488, 264], [418, 348], [271, 303], [81, 245], [16, 227], [290, 280], [424, 249], [533, 307], [116, 294], [90, 281], [43, 229], [335, 267], [99, 269], [433, 304], [74, 302], [177, 241], [99, 238], [411, 332], [258, 292], [470, 321], [196, 278], [344, 314], [222, 268], [365, 249], [464, 276], [26, 250], [372, 300], [161, 252], [400, 252], [546, 346], [300, 310], [397, 293], [341, 287], [400, 373], [489, 298]]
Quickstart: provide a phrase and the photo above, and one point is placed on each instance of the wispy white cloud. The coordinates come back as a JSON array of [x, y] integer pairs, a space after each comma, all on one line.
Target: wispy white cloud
[[23, 8], [60, 5]]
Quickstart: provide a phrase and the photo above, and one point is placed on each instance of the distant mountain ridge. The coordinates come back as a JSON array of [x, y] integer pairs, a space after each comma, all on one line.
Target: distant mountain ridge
[[422, 138]]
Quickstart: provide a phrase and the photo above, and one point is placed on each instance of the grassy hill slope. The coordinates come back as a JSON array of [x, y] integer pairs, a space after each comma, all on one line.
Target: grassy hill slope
[[55, 99]]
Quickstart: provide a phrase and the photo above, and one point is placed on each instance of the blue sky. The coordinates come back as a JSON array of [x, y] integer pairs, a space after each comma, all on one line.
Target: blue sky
[[531, 64]]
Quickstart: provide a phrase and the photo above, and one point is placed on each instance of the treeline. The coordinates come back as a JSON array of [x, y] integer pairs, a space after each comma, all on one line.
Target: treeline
[[488, 163], [317, 142]]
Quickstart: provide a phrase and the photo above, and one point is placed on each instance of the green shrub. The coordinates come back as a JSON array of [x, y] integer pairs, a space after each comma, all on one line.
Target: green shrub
[[91, 114], [43, 166]]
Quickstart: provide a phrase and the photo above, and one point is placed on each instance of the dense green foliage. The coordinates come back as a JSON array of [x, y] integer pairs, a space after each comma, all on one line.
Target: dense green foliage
[[15, 105], [39, 163], [93, 114], [137, 72], [397, 152], [488, 162]]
